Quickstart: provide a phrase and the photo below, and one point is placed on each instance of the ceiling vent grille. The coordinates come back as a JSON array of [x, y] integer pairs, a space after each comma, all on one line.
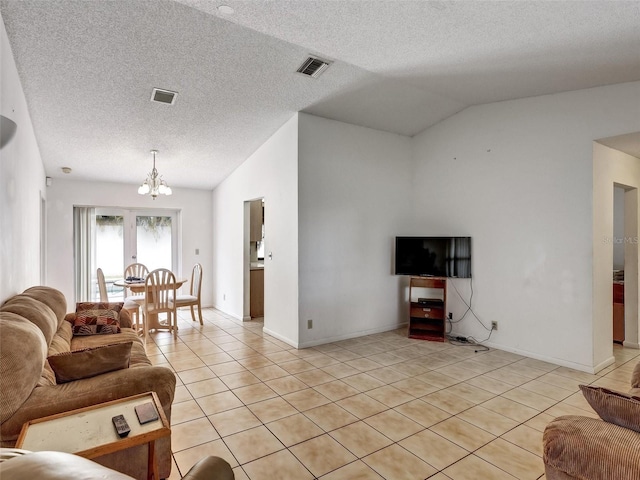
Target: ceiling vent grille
[[163, 96], [313, 67]]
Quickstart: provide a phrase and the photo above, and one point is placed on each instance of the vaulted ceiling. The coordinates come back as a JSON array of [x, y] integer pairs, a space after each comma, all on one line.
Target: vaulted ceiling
[[88, 69]]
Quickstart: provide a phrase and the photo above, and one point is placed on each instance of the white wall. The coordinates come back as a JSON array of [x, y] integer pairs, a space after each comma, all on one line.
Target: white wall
[[354, 197], [270, 173], [22, 183], [518, 177], [613, 167], [618, 228], [63, 195]]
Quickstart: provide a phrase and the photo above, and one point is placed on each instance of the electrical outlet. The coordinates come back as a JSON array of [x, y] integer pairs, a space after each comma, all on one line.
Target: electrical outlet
[[494, 325], [309, 324], [450, 316]]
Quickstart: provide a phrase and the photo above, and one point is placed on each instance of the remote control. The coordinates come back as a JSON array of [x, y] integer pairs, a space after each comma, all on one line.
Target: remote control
[[122, 427]]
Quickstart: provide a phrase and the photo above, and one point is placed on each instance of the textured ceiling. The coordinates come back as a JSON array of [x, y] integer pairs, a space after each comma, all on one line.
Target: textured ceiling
[[88, 68]]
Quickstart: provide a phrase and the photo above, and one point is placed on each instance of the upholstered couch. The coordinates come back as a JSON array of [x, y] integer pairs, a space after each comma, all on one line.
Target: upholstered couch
[[33, 326], [606, 448]]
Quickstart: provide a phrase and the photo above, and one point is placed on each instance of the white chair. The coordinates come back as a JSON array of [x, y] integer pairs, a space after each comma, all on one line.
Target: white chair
[[129, 305], [193, 298], [159, 292]]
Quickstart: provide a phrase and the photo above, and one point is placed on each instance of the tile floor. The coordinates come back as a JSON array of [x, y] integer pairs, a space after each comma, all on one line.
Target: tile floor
[[376, 407]]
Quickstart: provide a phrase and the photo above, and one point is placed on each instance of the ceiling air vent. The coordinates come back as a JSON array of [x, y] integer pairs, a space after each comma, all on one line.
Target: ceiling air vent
[[313, 67], [163, 96]]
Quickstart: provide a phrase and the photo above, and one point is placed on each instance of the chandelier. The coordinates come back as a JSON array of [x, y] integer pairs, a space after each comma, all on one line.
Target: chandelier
[[154, 185]]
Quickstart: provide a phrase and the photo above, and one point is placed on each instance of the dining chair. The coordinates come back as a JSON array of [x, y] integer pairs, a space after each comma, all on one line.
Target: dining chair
[[159, 292], [129, 305], [135, 270], [193, 298]]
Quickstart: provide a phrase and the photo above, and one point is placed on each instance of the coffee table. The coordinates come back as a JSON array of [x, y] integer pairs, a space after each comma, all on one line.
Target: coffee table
[[89, 432]]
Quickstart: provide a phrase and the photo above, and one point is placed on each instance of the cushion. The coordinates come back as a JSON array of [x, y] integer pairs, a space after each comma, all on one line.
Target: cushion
[[97, 318], [614, 407], [90, 362]]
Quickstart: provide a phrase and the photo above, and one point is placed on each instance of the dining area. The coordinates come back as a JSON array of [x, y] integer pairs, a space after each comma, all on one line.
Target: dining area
[[152, 298]]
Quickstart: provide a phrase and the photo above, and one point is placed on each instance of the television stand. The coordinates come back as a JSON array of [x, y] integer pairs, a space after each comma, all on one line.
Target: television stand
[[427, 308]]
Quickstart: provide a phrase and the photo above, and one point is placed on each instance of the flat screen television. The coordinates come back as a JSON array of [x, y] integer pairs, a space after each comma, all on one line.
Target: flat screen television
[[433, 256]]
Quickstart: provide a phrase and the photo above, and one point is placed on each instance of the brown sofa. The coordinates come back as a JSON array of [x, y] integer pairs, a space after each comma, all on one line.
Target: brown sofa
[[33, 326], [586, 448]]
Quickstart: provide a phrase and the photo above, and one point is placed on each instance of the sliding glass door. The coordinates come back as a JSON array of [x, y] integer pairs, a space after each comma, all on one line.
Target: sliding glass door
[[122, 237]]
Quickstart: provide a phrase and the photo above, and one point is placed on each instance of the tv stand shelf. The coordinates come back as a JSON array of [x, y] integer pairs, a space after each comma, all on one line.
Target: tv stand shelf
[[427, 314]]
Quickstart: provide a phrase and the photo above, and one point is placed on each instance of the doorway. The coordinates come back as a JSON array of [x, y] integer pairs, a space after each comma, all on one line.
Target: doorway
[[254, 247], [625, 266]]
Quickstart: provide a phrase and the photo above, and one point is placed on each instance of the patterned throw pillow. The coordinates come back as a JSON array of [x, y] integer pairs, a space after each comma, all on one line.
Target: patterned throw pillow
[[100, 322], [115, 306]]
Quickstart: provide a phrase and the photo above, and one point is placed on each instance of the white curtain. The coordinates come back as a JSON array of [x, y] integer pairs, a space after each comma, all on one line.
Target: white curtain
[[84, 240]]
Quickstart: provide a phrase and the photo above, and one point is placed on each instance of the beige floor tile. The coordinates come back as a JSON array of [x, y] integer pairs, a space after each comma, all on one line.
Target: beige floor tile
[[390, 396], [514, 410], [581, 377], [330, 416], [186, 364], [188, 458], [565, 409], [185, 411], [509, 377], [458, 372], [394, 462], [254, 393], [361, 405], [386, 358], [548, 390], [442, 476], [363, 382], [322, 454], [414, 387], [469, 392], [463, 433], [387, 374], [294, 429], [340, 370], [281, 357], [433, 449], [363, 364], [285, 385], [394, 425], [189, 434], [525, 437], [306, 399], [448, 401], [488, 420], [216, 358], [490, 384], [578, 400], [239, 474], [437, 379], [422, 412], [181, 394], [269, 372], [336, 390], [217, 403], [360, 439], [196, 375], [272, 409], [240, 379], [320, 360], [474, 468], [251, 444], [227, 368], [255, 361], [561, 381], [206, 387], [539, 422], [518, 462], [234, 421], [314, 377], [529, 398], [297, 366], [353, 471], [279, 465]]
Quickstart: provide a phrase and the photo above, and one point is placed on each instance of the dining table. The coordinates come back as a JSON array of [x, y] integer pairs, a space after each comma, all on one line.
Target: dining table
[[138, 287]]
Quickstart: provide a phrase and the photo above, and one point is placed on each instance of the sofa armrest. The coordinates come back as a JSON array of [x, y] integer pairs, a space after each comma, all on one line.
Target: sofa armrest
[[590, 448], [50, 400], [210, 468]]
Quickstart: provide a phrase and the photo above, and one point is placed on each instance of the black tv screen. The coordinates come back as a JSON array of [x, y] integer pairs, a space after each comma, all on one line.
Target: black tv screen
[[433, 256]]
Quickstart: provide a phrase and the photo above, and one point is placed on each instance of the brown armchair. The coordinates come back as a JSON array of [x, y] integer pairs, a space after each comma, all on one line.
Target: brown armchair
[[63, 466]]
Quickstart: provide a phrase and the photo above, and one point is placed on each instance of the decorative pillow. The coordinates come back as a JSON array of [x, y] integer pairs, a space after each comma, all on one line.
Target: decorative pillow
[[100, 322], [115, 306], [614, 407], [79, 364]]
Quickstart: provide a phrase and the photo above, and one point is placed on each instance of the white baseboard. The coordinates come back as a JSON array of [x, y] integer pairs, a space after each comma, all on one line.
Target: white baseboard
[[347, 336], [631, 345], [280, 337], [554, 360]]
